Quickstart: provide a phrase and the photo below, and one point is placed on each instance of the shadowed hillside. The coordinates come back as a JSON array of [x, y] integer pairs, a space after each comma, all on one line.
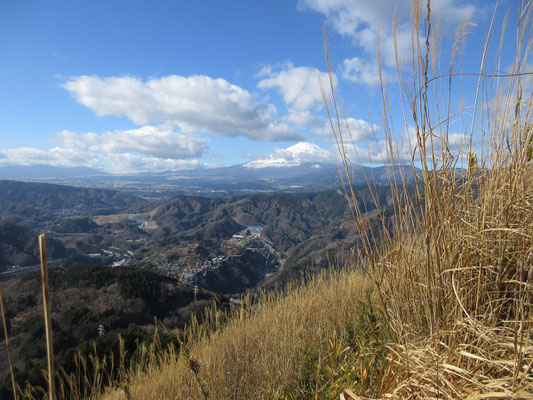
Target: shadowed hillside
[[37, 203], [17, 246], [124, 301]]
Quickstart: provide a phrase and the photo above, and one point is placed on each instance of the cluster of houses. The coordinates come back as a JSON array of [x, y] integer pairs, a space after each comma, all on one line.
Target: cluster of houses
[[190, 272], [233, 246], [247, 238]]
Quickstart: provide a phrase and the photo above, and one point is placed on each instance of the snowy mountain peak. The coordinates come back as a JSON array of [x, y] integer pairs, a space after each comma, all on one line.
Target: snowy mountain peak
[[303, 148], [293, 156]]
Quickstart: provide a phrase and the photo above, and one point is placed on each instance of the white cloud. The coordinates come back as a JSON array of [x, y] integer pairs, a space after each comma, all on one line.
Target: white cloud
[[196, 104], [299, 86], [376, 152], [293, 156], [454, 142], [152, 141], [147, 148], [406, 148], [361, 20], [57, 156], [126, 162], [360, 129], [301, 92], [457, 140], [369, 153], [147, 140], [363, 71], [114, 162]]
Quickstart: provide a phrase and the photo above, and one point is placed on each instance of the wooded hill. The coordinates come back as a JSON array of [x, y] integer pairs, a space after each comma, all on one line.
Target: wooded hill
[[124, 301]]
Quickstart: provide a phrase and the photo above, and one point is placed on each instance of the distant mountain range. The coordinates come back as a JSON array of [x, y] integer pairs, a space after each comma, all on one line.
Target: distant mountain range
[[214, 182], [46, 172]]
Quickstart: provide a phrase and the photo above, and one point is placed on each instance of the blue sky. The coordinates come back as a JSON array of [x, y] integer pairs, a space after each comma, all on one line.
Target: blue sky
[[153, 85]]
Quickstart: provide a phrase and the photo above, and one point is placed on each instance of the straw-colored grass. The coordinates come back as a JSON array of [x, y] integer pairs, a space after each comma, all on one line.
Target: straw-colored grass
[[312, 341], [456, 277]]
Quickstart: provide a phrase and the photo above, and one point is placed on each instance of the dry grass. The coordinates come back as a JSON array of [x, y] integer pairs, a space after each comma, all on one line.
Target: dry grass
[[456, 278], [309, 342]]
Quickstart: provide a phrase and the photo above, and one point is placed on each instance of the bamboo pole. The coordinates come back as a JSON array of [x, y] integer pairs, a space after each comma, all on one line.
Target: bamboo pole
[[7, 348], [47, 320]]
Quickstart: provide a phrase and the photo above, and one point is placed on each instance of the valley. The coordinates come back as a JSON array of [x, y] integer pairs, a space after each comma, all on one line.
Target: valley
[[125, 262], [186, 237]]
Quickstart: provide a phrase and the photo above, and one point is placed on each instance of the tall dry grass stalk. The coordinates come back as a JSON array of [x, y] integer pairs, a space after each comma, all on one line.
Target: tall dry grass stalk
[[8, 350], [456, 274], [47, 319]]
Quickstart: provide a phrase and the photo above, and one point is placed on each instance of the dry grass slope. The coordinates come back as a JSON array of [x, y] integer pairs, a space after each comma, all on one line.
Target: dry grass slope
[[286, 346]]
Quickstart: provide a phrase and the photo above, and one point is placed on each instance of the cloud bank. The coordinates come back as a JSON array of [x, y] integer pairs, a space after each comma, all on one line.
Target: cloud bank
[[360, 129], [197, 103], [146, 148]]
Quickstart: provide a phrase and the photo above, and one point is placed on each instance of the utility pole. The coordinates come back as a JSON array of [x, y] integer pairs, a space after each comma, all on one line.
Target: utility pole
[[101, 330], [195, 291]]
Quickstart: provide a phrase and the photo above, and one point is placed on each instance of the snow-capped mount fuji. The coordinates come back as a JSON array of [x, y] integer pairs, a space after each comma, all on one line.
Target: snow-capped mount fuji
[[296, 155]]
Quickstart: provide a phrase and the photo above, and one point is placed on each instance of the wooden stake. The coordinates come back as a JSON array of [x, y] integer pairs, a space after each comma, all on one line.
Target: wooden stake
[[47, 320], [8, 349]]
